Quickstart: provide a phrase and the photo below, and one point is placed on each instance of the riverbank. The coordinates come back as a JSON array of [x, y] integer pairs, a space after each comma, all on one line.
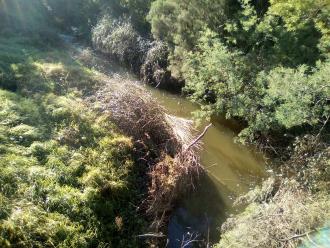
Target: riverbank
[[68, 176]]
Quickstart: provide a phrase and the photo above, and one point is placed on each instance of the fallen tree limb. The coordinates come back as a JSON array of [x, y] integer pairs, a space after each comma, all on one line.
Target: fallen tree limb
[[295, 237], [303, 234], [151, 235], [199, 137]]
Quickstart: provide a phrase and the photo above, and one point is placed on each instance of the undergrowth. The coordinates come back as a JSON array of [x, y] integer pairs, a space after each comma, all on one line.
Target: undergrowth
[[289, 210]]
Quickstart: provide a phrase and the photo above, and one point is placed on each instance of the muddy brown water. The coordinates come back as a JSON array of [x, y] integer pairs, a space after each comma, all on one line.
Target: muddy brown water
[[232, 170]]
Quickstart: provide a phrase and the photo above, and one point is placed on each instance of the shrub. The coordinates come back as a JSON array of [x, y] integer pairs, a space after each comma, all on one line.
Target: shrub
[[120, 40], [291, 100], [217, 77], [154, 70]]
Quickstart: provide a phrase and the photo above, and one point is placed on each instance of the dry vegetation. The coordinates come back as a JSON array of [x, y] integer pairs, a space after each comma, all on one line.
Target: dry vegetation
[[287, 212], [161, 142], [284, 220]]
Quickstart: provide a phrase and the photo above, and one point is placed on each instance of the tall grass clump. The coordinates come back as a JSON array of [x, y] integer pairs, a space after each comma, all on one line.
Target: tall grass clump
[[286, 212], [283, 220]]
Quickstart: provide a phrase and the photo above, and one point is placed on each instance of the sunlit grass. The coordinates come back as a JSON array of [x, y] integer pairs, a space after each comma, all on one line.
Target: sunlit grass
[[66, 174]]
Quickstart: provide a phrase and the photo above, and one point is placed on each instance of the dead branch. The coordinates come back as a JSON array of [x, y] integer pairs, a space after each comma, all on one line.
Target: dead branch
[[199, 137], [297, 236], [302, 235], [151, 235]]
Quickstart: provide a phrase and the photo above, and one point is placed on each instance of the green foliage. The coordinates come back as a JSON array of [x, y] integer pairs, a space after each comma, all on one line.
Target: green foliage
[[267, 42], [242, 74], [74, 16], [291, 99], [304, 13], [300, 98], [252, 27], [179, 22], [274, 101], [215, 75]]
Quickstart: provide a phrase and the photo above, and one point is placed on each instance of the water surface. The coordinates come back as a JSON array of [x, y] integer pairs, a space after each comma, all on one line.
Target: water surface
[[232, 170]]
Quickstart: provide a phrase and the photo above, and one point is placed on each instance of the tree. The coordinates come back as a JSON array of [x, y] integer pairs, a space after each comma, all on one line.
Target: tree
[[299, 14], [74, 15]]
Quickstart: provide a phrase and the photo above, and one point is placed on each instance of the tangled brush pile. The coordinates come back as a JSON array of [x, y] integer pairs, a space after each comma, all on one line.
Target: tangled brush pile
[[162, 140]]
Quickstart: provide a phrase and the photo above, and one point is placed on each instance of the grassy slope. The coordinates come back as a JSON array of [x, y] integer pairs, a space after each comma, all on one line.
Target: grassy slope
[[67, 178]]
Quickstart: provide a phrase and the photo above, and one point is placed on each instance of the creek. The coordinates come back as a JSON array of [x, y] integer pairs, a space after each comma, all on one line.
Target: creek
[[232, 170]]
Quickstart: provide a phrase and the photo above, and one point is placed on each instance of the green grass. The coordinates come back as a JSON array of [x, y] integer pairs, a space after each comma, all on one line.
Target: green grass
[[68, 178]]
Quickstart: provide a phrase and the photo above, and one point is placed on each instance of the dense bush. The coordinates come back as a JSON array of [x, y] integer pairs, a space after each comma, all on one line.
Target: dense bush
[[179, 23], [154, 70], [275, 101], [301, 15], [120, 40], [251, 27], [216, 76]]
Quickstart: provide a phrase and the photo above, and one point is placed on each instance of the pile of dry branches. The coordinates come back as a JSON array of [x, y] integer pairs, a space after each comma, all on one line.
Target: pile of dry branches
[[166, 143]]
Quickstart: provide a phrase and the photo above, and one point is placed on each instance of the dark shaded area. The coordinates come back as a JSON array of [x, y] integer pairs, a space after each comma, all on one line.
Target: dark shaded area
[[191, 221]]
